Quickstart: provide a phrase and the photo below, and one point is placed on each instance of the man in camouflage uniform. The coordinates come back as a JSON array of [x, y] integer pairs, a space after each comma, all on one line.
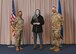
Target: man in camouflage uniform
[[56, 22], [18, 26]]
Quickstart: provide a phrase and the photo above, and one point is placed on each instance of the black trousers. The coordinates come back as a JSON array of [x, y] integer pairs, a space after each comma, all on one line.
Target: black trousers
[[40, 37]]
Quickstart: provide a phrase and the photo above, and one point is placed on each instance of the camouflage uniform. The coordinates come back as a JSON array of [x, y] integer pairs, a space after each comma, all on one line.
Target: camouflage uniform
[[56, 22], [18, 26]]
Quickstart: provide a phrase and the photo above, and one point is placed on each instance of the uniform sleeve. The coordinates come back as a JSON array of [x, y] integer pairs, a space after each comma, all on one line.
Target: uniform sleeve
[[62, 20], [14, 23], [23, 24]]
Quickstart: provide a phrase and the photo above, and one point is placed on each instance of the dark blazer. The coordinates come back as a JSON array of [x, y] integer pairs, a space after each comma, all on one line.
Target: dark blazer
[[37, 28]]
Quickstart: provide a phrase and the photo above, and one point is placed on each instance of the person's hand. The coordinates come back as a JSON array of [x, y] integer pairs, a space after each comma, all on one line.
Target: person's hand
[[36, 23]]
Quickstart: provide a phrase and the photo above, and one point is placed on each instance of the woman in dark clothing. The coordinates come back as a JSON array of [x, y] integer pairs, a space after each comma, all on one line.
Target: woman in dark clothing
[[37, 22]]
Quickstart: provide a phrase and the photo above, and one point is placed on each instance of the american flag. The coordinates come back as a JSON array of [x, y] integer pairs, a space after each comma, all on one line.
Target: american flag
[[12, 19], [60, 11]]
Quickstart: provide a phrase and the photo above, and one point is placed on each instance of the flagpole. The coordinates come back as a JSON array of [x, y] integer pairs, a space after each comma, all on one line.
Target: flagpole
[[10, 45]]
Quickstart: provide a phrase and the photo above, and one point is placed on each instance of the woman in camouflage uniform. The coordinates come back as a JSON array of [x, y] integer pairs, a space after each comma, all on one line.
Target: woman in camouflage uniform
[[18, 26]]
